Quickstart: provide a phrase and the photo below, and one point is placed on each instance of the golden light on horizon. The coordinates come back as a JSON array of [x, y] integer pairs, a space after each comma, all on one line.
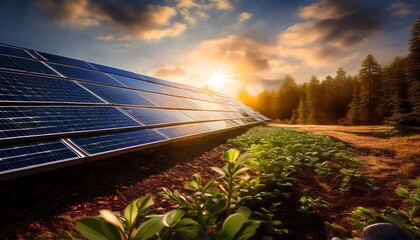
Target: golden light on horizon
[[218, 79]]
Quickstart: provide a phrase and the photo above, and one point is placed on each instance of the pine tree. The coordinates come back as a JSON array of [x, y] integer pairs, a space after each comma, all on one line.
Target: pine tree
[[355, 115], [370, 77], [413, 76], [313, 100], [288, 98]]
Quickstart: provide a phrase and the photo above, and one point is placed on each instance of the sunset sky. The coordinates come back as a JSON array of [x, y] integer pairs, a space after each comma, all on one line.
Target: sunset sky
[[250, 43]]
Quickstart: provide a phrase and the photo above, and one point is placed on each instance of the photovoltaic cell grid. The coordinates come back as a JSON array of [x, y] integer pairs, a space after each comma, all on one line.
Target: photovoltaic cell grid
[[115, 141], [14, 51], [35, 121], [57, 111], [20, 156], [29, 88]]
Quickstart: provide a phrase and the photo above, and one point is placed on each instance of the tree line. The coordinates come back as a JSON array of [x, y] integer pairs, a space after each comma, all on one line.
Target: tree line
[[375, 95]]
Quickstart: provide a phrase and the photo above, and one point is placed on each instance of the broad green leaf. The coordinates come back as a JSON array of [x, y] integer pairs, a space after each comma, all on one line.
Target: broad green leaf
[[248, 232], [218, 170], [231, 155], [111, 218], [244, 211], [402, 192], [144, 202], [130, 213], [171, 218], [149, 228], [97, 229], [208, 185], [232, 224]]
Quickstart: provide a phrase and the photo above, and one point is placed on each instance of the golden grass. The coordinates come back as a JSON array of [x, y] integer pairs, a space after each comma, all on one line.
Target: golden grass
[[364, 137]]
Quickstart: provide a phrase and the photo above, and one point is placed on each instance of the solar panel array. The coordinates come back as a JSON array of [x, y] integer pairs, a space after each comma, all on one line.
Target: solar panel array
[[57, 111]]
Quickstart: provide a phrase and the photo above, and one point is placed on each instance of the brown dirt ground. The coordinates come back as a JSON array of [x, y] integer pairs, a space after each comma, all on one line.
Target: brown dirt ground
[[42, 206]]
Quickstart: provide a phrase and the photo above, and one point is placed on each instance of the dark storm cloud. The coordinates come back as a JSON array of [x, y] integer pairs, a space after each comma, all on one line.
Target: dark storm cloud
[[350, 29], [331, 28], [134, 19]]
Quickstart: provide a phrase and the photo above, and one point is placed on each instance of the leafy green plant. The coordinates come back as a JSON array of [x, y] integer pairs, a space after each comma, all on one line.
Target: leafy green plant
[[349, 175], [267, 217], [309, 205], [134, 224], [408, 218], [216, 205]]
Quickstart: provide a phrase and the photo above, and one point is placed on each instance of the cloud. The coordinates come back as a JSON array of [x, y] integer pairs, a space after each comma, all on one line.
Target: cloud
[[118, 21], [222, 4], [205, 5], [331, 29], [244, 16], [70, 12], [169, 71], [247, 61], [400, 9]]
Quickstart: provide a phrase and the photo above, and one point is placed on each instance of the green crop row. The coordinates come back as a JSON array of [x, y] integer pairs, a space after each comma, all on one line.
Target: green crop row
[[224, 207]]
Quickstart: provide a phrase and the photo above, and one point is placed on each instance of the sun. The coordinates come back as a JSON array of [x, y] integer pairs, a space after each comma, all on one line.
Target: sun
[[217, 79]]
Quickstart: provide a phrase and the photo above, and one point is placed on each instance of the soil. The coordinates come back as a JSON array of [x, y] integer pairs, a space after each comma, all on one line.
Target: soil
[[45, 205]]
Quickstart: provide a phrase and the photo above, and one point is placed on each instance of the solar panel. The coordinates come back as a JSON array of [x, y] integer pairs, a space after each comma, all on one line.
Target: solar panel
[[85, 74], [180, 115], [16, 122], [114, 70], [65, 60], [167, 101], [118, 141], [207, 115], [14, 51], [220, 125], [59, 111], [118, 95], [209, 105], [150, 116], [138, 84], [30, 88], [28, 155], [186, 130], [22, 64]]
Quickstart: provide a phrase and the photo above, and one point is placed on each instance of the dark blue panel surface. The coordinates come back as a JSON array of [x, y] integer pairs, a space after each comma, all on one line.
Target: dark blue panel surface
[[167, 101], [115, 70], [31, 88], [138, 84], [118, 141], [27, 155], [27, 65], [118, 95], [180, 115], [19, 52], [65, 60], [184, 130], [34, 121], [85, 74], [150, 116]]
